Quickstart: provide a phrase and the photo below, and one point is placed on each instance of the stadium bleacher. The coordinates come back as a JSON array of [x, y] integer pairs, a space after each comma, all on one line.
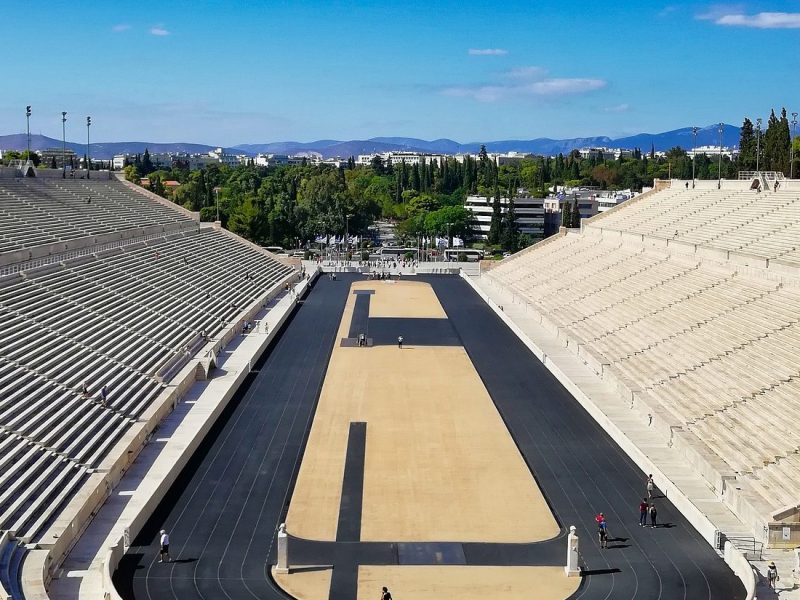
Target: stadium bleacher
[[116, 319], [655, 298]]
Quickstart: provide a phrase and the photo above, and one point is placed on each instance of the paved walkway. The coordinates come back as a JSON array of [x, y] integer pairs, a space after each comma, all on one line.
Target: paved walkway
[[635, 427]]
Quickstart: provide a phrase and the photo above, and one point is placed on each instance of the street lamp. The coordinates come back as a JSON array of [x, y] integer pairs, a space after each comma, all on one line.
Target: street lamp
[[216, 194], [758, 142], [28, 119], [721, 129], [694, 151], [63, 145], [448, 234], [88, 152], [791, 146], [347, 235]]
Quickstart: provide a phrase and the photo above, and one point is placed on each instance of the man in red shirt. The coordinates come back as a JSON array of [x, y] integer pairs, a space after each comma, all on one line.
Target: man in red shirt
[[643, 512]]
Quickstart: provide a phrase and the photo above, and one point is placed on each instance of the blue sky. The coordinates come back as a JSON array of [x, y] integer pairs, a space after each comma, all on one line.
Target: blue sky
[[248, 72]]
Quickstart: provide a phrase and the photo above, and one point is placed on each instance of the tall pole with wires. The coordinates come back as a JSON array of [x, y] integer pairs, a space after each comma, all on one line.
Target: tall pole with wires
[[28, 120], [88, 152], [694, 151], [721, 130], [63, 145]]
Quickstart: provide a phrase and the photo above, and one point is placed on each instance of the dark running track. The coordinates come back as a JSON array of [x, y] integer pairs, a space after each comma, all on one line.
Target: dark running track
[[223, 511]]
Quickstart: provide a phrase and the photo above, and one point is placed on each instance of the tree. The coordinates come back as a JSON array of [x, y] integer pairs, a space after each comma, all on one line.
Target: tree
[[747, 147], [509, 238], [377, 164], [576, 214], [777, 143], [147, 164], [496, 223], [566, 215]]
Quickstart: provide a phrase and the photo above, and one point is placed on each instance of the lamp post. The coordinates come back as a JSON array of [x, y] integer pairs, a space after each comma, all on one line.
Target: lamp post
[[758, 142], [63, 145], [791, 146], [28, 120], [721, 130], [694, 151], [88, 152], [449, 225], [347, 218], [216, 195]]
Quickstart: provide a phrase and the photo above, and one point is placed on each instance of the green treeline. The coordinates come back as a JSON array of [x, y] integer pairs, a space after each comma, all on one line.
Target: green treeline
[[291, 205]]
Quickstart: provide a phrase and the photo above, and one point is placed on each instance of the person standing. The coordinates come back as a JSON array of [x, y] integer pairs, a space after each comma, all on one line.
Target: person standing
[[164, 552], [643, 508], [385, 593], [602, 534], [650, 485], [400, 342], [772, 575], [104, 395], [653, 516]]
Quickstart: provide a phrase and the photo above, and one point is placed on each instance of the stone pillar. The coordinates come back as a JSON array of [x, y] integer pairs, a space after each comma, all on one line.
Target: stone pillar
[[283, 550], [572, 569]]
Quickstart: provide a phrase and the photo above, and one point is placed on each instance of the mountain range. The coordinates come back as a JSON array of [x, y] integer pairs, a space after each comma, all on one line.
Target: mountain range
[[706, 136]]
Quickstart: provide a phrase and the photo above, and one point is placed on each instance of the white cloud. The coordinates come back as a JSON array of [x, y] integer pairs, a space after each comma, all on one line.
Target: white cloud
[[762, 20], [120, 28], [159, 30], [619, 108], [487, 52], [525, 82]]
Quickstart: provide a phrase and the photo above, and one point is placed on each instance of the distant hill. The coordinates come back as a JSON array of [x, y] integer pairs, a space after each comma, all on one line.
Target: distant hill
[[707, 136]]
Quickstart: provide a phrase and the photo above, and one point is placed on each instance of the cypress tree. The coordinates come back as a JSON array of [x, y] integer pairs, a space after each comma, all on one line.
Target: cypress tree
[[566, 215], [747, 147], [495, 225], [576, 215]]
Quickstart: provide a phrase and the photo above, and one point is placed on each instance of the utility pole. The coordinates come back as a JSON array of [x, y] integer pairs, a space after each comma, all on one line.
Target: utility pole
[[88, 152], [791, 146], [63, 145], [721, 130], [694, 152], [758, 143], [28, 119]]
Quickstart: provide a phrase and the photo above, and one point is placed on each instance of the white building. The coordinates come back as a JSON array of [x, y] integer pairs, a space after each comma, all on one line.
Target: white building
[[529, 213], [605, 153], [731, 153], [395, 158], [226, 158]]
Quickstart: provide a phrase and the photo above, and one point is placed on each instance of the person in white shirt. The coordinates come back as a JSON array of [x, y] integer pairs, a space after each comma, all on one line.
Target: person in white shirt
[[164, 547]]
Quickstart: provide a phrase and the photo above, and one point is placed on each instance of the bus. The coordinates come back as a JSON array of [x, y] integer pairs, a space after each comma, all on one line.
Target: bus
[[393, 253], [463, 255]]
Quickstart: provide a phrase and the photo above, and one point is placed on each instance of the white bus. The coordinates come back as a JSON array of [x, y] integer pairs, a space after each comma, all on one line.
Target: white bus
[[463, 255]]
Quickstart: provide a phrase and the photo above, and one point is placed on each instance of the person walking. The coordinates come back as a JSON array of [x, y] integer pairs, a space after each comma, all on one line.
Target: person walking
[[400, 342], [650, 485], [653, 516], [164, 552], [385, 593], [772, 575], [602, 534], [104, 395], [643, 508]]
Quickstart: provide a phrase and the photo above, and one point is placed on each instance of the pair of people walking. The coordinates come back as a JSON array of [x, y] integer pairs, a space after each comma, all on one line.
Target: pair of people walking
[[647, 510]]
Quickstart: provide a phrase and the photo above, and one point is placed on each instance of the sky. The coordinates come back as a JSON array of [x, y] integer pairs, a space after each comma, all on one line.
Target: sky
[[227, 73]]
